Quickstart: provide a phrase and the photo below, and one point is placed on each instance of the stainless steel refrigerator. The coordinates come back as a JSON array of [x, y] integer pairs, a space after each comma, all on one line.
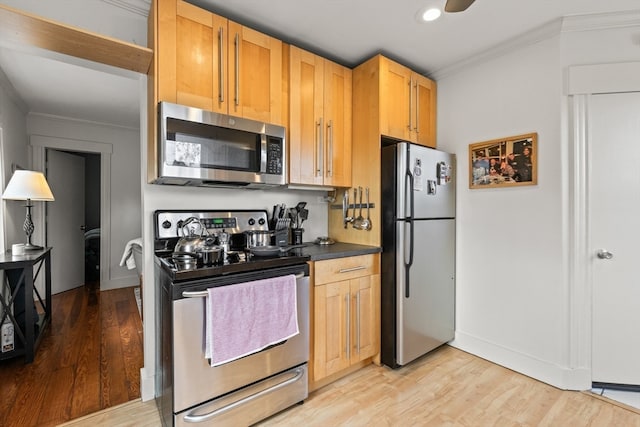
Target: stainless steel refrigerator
[[418, 251]]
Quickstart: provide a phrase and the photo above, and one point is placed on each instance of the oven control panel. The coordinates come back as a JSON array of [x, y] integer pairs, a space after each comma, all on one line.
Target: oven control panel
[[223, 223], [169, 224]]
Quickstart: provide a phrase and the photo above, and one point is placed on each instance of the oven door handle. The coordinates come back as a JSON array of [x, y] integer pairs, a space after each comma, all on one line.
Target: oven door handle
[[200, 418], [204, 294]]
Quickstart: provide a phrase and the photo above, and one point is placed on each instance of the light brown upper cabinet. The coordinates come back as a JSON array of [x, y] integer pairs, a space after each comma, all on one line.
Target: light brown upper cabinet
[[209, 62], [320, 121], [255, 75], [408, 103]]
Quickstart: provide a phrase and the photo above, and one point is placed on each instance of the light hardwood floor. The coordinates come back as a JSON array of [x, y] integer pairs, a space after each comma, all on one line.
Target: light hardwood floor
[[445, 388]]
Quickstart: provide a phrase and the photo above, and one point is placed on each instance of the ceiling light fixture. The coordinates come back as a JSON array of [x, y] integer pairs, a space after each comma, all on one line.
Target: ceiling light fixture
[[431, 14]]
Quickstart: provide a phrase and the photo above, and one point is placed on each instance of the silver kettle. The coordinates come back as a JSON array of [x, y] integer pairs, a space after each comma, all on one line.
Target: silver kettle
[[190, 242]]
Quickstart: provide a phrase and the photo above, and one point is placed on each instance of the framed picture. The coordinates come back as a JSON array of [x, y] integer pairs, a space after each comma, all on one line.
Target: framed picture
[[504, 162]]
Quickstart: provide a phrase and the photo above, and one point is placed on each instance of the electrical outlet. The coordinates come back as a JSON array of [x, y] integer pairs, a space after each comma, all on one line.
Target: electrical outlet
[[7, 336]]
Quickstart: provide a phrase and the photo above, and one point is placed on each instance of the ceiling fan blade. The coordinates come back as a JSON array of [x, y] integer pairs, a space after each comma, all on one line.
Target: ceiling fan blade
[[457, 5]]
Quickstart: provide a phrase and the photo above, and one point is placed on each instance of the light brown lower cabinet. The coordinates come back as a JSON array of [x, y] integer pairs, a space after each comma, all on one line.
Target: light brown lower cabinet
[[346, 314]]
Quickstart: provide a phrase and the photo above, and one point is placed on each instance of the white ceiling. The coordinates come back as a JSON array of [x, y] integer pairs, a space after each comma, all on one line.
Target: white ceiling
[[347, 31], [353, 30], [51, 83]]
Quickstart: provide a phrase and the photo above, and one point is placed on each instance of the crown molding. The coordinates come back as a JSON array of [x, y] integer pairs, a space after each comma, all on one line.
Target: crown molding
[[140, 7], [600, 21], [543, 32]]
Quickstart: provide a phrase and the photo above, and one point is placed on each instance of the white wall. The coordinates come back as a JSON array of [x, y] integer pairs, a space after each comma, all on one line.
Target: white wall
[[514, 301], [125, 199], [609, 42], [510, 297], [14, 129]]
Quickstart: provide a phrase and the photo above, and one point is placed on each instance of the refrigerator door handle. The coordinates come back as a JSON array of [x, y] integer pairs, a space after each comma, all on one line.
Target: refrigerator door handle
[[409, 220]]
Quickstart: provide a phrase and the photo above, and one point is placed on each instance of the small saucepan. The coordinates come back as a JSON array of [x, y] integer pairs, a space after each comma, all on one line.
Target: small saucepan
[[258, 238], [184, 261], [211, 255]]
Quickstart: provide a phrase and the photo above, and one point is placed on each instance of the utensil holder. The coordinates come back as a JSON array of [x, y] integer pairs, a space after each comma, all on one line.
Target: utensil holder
[[296, 236]]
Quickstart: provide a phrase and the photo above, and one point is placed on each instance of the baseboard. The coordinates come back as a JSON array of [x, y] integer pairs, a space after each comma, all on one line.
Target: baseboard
[[147, 385], [558, 376], [120, 282]]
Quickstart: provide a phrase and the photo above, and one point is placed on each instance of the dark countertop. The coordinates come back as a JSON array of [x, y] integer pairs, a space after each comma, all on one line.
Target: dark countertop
[[337, 250]]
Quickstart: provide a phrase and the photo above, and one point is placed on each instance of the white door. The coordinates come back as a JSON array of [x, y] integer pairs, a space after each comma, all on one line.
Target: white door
[[615, 228], [65, 217]]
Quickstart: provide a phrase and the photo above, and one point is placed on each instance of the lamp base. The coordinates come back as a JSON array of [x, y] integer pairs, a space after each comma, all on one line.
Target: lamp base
[[28, 229], [30, 247]]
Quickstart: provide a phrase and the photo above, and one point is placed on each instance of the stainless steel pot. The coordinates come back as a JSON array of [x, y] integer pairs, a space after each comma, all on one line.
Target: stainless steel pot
[[211, 255], [257, 238], [184, 261]]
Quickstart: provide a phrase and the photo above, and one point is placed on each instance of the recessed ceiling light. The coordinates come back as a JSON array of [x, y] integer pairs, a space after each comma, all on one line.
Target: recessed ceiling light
[[431, 14]]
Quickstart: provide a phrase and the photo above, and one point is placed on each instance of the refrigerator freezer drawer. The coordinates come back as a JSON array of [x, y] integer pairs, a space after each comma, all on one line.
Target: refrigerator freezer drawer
[[425, 303]]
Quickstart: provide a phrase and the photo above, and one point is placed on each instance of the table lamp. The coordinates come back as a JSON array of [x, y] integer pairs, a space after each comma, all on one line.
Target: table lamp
[[28, 185]]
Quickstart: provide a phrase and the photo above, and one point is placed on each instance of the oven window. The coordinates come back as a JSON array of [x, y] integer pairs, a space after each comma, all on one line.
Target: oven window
[[200, 145]]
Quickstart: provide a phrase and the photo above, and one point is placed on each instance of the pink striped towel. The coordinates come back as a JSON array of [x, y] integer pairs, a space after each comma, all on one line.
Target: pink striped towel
[[247, 317]]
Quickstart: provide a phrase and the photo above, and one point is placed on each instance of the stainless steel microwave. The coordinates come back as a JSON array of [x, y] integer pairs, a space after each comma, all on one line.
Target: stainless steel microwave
[[203, 148]]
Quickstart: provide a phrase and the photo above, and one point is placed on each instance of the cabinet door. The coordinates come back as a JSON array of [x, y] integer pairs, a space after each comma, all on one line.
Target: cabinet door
[[306, 110], [365, 324], [337, 123], [396, 98], [191, 63], [255, 75], [424, 111], [332, 327]]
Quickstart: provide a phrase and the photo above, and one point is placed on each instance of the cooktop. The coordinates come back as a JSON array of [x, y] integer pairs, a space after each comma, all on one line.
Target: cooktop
[[168, 230]]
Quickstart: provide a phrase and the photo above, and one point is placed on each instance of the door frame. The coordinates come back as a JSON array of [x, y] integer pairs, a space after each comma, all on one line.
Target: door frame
[[38, 145], [582, 83], [3, 234]]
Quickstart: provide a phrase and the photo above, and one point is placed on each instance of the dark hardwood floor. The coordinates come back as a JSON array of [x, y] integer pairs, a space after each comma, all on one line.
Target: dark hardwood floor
[[89, 359]]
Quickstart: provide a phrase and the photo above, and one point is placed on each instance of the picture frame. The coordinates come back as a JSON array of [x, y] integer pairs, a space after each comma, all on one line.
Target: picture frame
[[504, 162]]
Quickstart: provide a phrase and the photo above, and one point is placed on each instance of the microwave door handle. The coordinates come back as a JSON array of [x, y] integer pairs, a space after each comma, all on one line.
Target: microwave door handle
[[263, 153]]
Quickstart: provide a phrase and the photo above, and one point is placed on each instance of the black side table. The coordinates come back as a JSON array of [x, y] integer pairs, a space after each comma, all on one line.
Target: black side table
[[17, 292]]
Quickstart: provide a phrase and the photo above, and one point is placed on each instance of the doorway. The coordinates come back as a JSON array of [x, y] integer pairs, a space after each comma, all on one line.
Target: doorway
[[73, 222], [3, 243], [614, 209], [99, 154]]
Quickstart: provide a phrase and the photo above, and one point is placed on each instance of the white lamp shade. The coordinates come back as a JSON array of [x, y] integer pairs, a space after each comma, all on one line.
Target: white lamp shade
[[28, 185]]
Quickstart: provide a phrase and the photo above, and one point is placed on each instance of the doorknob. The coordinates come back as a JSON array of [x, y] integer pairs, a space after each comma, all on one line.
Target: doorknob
[[604, 254], [83, 228]]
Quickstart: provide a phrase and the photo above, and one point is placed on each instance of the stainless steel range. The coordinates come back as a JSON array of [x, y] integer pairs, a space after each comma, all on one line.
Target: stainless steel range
[[241, 392]]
